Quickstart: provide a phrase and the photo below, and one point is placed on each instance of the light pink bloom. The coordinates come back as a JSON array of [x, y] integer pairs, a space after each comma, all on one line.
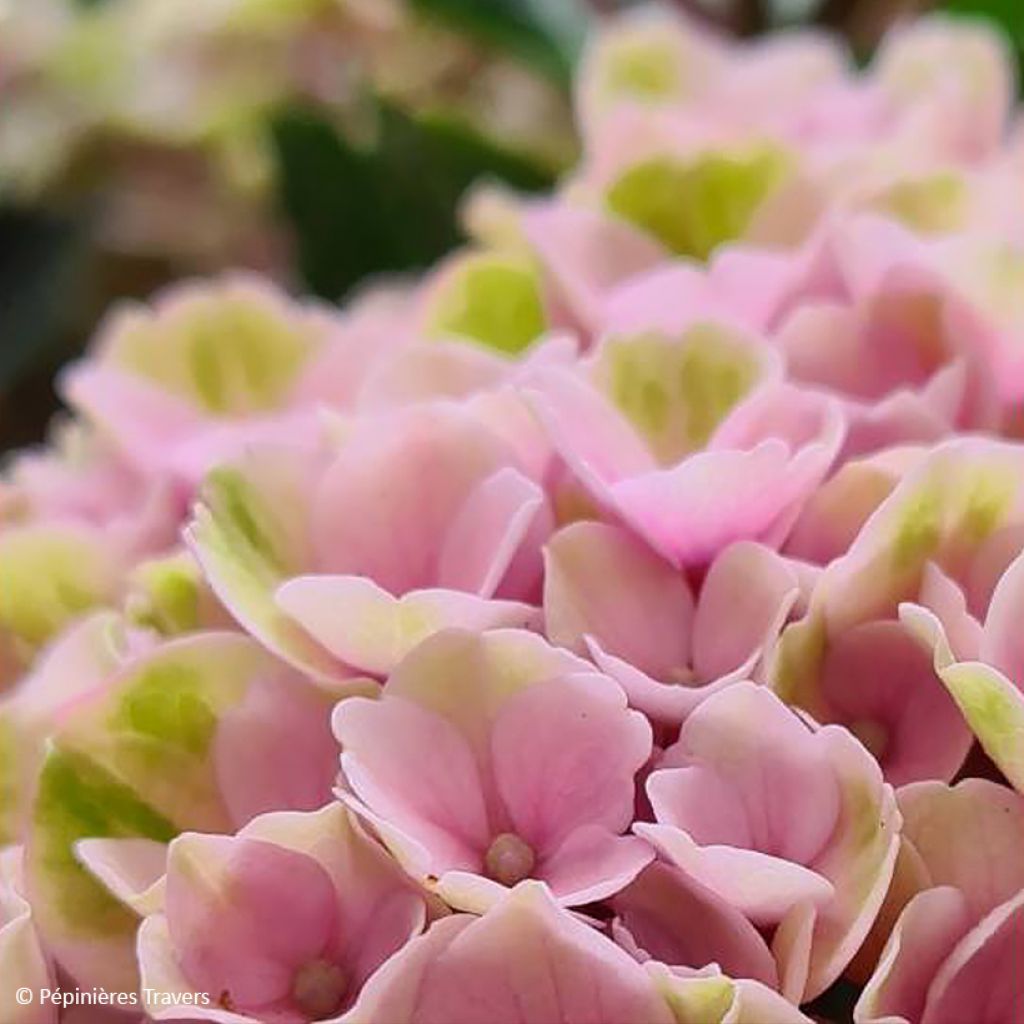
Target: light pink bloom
[[24, 963], [283, 922], [202, 732], [206, 369], [790, 824], [667, 645], [962, 69], [926, 563], [526, 960], [585, 255], [415, 521], [690, 473], [74, 520], [908, 354], [951, 956], [80, 661], [493, 758]]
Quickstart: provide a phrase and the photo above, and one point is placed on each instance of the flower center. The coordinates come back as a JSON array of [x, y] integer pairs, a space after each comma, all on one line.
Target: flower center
[[872, 734], [509, 859], [319, 988]]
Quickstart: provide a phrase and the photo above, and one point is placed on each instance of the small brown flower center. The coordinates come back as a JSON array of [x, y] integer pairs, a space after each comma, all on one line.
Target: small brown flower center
[[509, 859], [318, 989]]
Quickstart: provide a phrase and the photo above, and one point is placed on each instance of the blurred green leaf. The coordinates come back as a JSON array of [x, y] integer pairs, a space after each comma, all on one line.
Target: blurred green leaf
[[389, 207], [546, 33], [1007, 15], [41, 260]]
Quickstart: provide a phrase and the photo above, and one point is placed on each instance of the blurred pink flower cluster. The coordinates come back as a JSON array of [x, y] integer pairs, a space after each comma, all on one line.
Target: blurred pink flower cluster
[[619, 624], [156, 115]]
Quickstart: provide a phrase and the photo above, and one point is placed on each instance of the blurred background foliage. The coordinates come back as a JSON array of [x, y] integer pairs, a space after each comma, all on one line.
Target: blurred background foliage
[[321, 141]]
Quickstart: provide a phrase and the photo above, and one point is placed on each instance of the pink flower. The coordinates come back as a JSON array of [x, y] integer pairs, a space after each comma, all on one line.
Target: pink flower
[[949, 955], [202, 732], [690, 473], [493, 758], [283, 922], [182, 384], [791, 825], [526, 959], [341, 563], [928, 560], [666, 646]]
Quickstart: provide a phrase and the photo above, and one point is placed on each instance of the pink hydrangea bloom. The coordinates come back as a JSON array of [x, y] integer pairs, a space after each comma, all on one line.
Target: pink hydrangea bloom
[[490, 759], [618, 622], [946, 957], [283, 922], [789, 824]]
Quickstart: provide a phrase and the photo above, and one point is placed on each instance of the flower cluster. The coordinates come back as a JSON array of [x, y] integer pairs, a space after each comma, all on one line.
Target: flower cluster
[[156, 115], [619, 624]]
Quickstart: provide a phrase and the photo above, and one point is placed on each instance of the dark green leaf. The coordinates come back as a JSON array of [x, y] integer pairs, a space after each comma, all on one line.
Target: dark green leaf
[[389, 207], [41, 259], [1007, 15]]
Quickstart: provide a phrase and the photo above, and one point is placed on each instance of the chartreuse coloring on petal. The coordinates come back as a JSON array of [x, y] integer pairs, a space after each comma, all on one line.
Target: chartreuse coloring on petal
[[639, 66], [710, 997], [694, 204], [249, 535], [491, 298], [943, 511], [48, 576], [936, 203], [675, 391], [232, 350], [136, 760], [166, 594], [10, 779], [994, 710], [991, 704], [87, 928], [959, 502], [795, 666]]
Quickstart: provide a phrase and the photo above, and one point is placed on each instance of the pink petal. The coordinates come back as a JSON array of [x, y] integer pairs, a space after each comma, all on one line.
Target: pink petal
[[385, 507], [274, 750], [923, 937], [1003, 645], [675, 920], [585, 566], [244, 914], [565, 752], [525, 960], [489, 530], [369, 629], [746, 597], [761, 886], [977, 981], [413, 767]]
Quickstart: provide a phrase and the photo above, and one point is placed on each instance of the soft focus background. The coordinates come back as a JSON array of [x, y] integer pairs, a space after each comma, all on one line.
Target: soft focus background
[[319, 141]]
